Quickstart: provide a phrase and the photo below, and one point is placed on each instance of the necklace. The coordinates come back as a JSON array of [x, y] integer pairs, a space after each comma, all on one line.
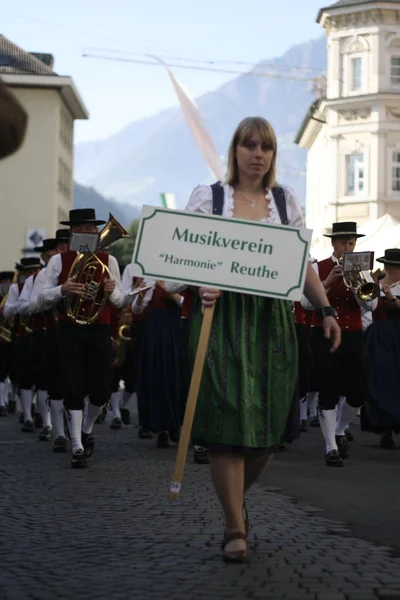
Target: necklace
[[251, 202]]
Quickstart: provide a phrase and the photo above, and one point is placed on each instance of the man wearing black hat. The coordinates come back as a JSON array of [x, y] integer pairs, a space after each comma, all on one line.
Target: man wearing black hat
[[27, 267], [342, 373], [6, 278], [37, 377], [85, 350], [50, 355]]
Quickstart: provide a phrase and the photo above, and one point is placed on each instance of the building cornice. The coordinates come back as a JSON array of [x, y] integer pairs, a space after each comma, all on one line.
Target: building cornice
[[369, 13], [64, 85], [312, 124]]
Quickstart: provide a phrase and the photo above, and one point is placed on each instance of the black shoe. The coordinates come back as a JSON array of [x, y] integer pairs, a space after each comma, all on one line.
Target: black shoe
[[11, 407], [315, 422], [3, 411], [125, 416], [21, 419], [201, 455], [60, 445], [174, 435], [303, 426], [38, 421], [45, 434], [349, 435], [343, 445], [88, 444], [78, 460], [333, 459], [387, 442], [28, 427], [144, 434], [116, 424], [162, 440]]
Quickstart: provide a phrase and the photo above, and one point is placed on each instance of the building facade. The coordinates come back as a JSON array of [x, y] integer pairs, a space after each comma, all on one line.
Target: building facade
[[352, 131], [36, 183]]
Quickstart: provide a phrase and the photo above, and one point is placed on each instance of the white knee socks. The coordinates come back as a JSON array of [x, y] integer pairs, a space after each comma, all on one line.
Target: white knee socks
[[327, 420], [75, 418], [91, 415], [312, 398], [115, 404], [2, 393], [43, 407], [26, 404], [346, 415], [303, 409], [57, 417]]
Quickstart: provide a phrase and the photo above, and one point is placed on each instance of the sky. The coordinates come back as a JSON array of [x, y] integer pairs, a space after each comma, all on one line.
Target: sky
[[117, 93]]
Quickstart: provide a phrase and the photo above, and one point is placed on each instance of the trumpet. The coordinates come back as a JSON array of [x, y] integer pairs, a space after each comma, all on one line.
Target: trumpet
[[360, 282]]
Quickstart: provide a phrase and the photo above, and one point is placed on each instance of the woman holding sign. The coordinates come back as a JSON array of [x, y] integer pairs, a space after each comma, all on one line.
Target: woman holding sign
[[250, 375]]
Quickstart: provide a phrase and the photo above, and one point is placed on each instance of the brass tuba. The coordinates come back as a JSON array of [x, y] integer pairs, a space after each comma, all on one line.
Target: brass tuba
[[361, 283], [91, 271]]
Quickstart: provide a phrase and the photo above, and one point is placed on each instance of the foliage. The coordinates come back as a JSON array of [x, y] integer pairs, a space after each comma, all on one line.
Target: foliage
[[123, 249]]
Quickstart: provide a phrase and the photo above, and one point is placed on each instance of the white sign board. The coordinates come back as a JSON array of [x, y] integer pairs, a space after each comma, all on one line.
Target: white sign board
[[231, 254]]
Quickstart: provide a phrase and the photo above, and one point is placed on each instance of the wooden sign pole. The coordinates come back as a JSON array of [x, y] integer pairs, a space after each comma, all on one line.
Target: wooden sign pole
[[191, 403]]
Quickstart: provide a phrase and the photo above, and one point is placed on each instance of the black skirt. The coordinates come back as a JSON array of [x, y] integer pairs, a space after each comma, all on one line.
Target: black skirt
[[159, 387], [382, 411]]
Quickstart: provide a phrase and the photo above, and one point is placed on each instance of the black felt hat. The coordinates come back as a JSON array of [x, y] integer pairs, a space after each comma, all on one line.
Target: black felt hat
[[346, 229], [47, 244], [28, 263], [5, 275], [82, 215], [392, 257], [63, 235]]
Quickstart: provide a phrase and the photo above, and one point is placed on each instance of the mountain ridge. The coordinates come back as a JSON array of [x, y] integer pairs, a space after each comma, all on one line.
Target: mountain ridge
[[158, 154]]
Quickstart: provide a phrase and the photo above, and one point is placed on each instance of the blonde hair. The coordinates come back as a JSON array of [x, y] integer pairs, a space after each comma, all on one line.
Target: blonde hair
[[242, 135]]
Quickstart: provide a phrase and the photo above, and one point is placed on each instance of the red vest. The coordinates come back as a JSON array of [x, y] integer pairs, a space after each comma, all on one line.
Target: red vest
[[114, 321], [342, 299], [67, 259]]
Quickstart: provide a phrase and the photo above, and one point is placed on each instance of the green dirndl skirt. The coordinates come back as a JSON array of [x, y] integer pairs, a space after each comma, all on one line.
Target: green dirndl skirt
[[250, 373]]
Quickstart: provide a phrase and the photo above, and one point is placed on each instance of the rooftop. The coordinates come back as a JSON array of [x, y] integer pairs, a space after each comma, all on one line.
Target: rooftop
[[15, 61]]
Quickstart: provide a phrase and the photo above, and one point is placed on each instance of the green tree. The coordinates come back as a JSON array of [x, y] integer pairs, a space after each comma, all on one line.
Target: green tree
[[123, 249]]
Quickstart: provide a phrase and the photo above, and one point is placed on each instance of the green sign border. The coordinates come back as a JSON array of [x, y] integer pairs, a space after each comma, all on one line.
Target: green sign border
[[213, 217]]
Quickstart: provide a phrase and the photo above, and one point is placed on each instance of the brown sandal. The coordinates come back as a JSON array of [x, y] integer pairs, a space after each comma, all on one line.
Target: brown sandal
[[235, 556]]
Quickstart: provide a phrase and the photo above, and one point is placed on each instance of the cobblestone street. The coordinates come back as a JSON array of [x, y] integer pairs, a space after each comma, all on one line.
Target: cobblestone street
[[110, 532]]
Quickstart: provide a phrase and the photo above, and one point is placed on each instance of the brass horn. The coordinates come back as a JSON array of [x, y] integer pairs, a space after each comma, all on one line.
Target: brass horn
[[361, 283], [91, 271]]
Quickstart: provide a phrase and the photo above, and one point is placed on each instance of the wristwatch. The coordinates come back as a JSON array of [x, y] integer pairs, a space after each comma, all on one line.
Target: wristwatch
[[327, 311]]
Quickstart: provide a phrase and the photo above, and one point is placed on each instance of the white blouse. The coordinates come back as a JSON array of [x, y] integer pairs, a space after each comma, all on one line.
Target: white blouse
[[201, 201]]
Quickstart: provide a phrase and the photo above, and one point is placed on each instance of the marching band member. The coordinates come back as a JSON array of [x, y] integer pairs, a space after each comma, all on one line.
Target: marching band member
[[37, 371], [6, 278], [27, 267], [85, 350], [159, 368], [382, 343], [50, 358], [341, 373]]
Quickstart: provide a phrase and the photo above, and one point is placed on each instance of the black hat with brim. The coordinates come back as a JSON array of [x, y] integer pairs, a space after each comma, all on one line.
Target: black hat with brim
[[28, 263], [347, 229], [47, 244], [392, 257], [82, 215], [63, 235], [5, 275]]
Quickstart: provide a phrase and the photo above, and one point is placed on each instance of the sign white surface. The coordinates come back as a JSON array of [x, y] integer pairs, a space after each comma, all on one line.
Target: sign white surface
[[231, 254]]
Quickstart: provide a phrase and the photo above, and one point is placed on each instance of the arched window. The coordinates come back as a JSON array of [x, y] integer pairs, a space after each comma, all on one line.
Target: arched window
[[355, 65]]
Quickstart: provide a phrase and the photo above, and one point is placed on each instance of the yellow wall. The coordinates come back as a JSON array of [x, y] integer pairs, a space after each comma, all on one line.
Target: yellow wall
[[29, 194]]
